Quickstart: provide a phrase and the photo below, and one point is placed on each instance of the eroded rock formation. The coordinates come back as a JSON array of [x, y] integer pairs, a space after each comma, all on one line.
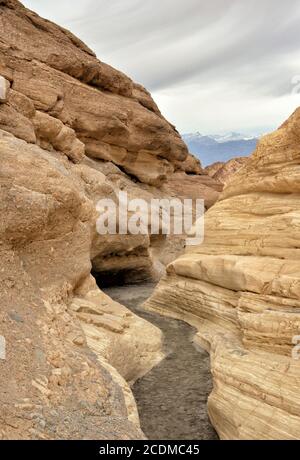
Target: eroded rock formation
[[52, 73], [241, 289], [64, 99], [51, 385], [74, 130], [222, 172]]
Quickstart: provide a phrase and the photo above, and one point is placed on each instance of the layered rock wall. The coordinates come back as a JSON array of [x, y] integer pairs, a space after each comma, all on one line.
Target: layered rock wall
[[73, 130], [241, 289], [51, 73], [56, 94], [222, 172], [53, 314]]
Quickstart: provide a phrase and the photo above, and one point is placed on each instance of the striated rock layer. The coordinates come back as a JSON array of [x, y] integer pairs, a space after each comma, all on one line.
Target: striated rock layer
[[55, 93], [241, 289], [222, 172], [74, 130], [52, 385], [52, 73]]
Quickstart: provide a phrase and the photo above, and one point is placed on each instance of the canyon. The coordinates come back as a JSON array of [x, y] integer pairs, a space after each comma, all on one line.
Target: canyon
[[240, 289], [74, 130], [172, 397]]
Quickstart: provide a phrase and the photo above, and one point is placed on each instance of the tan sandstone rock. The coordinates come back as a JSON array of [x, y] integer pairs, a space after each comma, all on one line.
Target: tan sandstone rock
[[74, 130], [118, 120], [222, 172], [241, 289], [45, 242]]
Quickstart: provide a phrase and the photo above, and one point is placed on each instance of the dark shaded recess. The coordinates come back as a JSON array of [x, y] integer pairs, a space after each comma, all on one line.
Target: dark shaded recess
[[121, 277]]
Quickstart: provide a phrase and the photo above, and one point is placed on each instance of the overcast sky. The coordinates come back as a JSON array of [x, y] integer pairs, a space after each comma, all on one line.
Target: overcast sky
[[212, 66]]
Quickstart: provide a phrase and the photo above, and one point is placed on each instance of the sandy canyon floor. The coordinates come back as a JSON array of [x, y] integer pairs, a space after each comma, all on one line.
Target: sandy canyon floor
[[172, 397]]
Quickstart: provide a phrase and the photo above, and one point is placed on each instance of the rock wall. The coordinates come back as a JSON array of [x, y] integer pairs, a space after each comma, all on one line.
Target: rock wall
[[222, 172], [74, 130], [241, 289], [61, 93], [58, 95], [52, 385]]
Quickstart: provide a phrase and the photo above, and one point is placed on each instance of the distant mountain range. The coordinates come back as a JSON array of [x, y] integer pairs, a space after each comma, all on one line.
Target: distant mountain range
[[212, 148]]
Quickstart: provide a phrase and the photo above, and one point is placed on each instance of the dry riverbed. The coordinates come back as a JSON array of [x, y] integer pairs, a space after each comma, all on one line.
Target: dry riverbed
[[172, 397]]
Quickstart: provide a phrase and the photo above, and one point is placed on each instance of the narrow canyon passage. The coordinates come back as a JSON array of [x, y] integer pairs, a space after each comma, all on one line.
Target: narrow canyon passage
[[172, 397]]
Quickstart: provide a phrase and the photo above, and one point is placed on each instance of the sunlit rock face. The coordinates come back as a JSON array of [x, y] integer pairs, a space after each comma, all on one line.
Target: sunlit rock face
[[241, 288]]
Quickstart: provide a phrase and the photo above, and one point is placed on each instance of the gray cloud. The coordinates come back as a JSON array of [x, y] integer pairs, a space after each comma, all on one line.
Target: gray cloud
[[223, 64]]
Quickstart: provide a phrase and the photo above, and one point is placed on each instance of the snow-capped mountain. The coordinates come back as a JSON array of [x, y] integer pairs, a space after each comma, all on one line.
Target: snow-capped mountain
[[219, 147], [232, 136]]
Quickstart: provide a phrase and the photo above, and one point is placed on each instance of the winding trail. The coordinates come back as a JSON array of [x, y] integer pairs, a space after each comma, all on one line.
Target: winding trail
[[172, 397]]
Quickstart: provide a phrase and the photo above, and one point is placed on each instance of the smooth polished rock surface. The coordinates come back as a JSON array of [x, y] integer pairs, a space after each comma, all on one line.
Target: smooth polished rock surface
[[241, 289]]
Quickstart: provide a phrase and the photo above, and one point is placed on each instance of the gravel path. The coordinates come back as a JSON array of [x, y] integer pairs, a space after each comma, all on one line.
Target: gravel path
[[172, 397]]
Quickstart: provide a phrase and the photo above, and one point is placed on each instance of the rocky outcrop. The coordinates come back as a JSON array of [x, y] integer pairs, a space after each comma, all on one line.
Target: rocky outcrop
[[222, 172], [241, 289], [53, 314], [193, 186], [73, 130], [51, 71], [63, 99]]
